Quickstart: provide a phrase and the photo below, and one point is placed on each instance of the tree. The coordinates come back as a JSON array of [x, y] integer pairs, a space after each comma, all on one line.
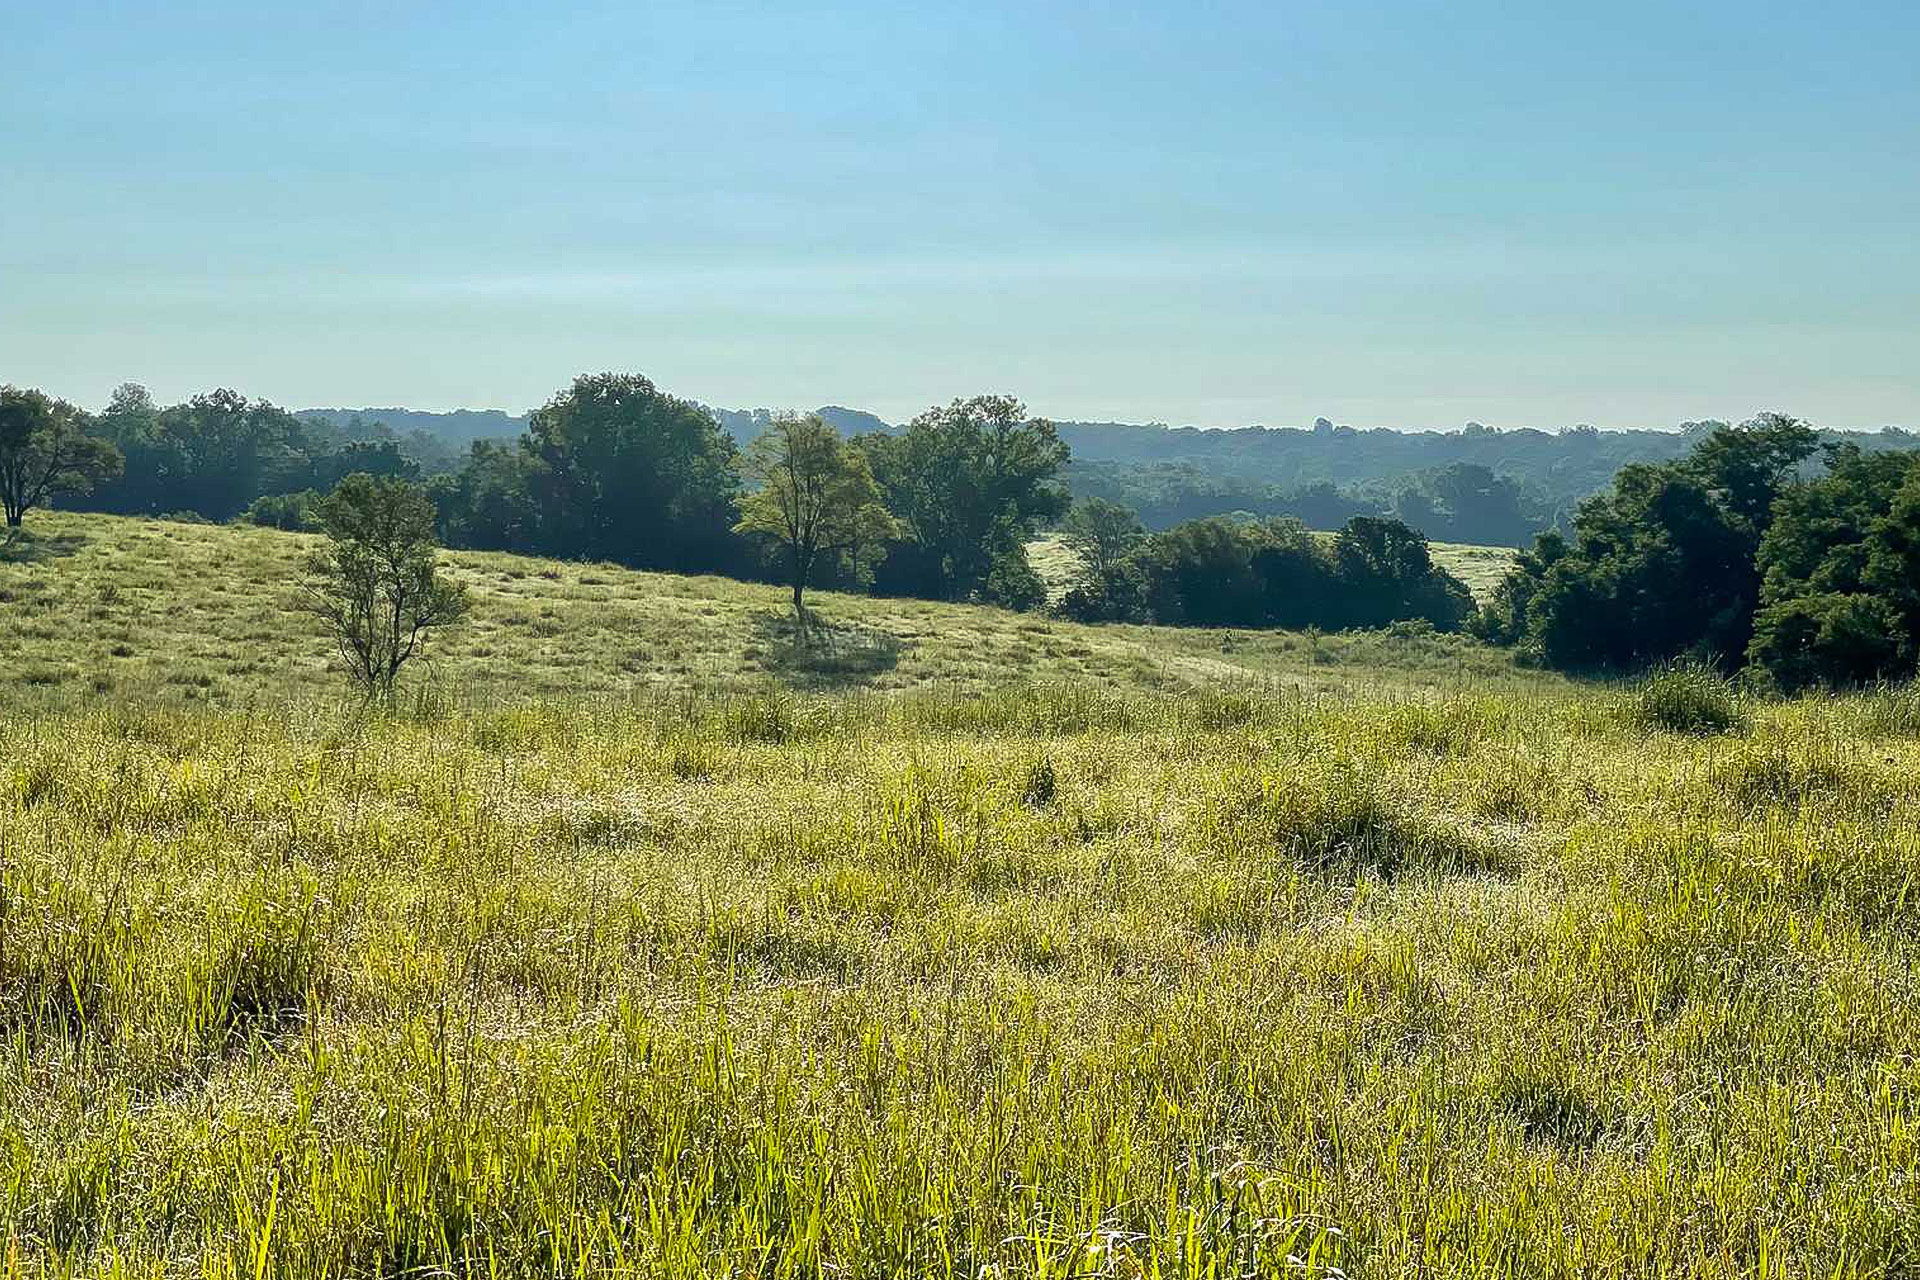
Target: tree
[[44, 450], [1840, 574], [1102, 534], [491, 503], [213, 454], [1388, 574], [971, 482], [817, 500], [1664, 563], [1107, 583], [1467, 502], [630, 474], [376, 584]]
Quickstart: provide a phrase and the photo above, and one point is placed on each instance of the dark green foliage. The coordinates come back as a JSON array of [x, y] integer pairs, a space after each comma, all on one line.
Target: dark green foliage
[[1274, 573], [217, 453], [1011, 582], [44, 450], [214, 454], [1840, 574], [1661, 565], [1387, 574], [1467, 502], [1833, 638], [294, 511], [971, 482], [630, 474], [491, 503], [1103, 534]]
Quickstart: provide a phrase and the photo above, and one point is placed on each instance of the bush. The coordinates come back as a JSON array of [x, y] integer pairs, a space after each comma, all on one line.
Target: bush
[[292, 511], [1012, 584], [1687, 698], [1834, 638]]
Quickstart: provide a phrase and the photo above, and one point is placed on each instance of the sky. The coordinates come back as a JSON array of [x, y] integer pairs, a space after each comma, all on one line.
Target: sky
[[1397, 213]]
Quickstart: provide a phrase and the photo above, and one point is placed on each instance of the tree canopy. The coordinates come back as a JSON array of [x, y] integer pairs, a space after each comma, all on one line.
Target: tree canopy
[[45, 450], [1663, 564], [971, 482], [816, 500], [628, 473]]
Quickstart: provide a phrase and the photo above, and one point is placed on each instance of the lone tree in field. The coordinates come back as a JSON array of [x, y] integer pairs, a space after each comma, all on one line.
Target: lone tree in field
[[376, 584], [44, 451], [817, 500]]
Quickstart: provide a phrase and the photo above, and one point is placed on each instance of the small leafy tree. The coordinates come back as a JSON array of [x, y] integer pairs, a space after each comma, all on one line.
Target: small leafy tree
[[1102, 534], [817, 501], [376, 584], [44, 451]]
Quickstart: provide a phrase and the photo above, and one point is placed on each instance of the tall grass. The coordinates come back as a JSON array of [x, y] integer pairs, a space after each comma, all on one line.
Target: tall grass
[[1055, 981]]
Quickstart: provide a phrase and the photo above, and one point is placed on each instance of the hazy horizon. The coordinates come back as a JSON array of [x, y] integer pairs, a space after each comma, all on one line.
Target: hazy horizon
[[1409, 216]]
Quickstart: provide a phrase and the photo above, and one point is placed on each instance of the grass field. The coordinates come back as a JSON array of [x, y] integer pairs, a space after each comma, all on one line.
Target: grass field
[[138, 608], [1402, 964]]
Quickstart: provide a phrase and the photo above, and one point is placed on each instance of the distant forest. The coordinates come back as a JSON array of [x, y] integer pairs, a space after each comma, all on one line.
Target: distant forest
[[1478, 484]]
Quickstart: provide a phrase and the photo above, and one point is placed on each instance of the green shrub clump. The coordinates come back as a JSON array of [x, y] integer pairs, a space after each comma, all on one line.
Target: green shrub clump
[[1687, 698]]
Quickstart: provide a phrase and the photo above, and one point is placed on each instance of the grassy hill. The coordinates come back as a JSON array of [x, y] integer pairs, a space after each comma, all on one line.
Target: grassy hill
[[149, 607], [1026, 950]]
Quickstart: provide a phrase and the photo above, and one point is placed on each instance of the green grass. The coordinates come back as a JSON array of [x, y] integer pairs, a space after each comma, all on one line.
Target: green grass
[[1131, 972], [1481, 568], [145, 608]]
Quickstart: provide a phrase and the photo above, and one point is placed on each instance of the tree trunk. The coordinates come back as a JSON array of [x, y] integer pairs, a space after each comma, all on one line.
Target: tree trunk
[[800, 567]]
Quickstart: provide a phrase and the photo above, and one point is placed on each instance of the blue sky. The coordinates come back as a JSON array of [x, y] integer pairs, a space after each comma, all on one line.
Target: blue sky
[[1393, 213]]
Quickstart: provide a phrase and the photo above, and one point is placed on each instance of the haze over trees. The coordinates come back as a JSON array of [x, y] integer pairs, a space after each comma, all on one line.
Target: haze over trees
[[1767, 545]]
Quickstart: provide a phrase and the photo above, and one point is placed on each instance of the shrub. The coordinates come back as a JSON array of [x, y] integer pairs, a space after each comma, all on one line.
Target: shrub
[[376, 585], [1686, 698], [291, 511]]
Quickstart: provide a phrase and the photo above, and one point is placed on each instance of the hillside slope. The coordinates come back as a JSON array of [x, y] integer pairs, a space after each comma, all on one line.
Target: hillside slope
[[121, 605]]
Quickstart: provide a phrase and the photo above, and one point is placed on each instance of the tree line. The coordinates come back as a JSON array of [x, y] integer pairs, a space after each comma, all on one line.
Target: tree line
[[1256, 573], [1451, 502], [1765, 549]]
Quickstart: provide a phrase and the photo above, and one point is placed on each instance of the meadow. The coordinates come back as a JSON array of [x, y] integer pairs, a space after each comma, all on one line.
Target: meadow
[[1188, 955]]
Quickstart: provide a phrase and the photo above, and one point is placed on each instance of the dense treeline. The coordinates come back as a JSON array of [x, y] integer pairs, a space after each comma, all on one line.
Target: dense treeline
[[1257, 573], [615, 469], [216, 454], [1185, 468], [612, 468], [1763, 547]]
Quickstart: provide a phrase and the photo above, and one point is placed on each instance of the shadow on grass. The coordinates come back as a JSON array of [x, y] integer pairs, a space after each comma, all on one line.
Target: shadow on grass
[[824, 654], [22, 546]]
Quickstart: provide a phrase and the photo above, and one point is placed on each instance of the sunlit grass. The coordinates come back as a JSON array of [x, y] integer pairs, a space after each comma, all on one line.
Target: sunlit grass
[[1420, 971], [110, 606]]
